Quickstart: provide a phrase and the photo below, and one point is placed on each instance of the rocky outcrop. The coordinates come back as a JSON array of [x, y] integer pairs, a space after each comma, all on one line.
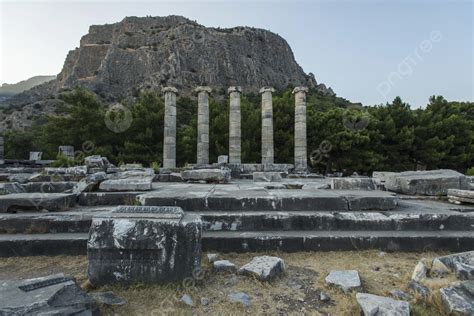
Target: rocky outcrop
[[118, 60]]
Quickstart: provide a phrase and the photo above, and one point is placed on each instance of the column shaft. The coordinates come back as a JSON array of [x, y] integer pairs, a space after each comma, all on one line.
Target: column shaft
[[169, 142], [234, 126], [203, 126], [267, 126], [301, 163]]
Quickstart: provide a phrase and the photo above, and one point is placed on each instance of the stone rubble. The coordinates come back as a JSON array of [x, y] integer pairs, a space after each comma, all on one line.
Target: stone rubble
[[373, 305], [50, 295], [264, 267], [420, 271], [241, 298], [224, 266], [461, 263], [460, 196], [458, 298], [347, 280]]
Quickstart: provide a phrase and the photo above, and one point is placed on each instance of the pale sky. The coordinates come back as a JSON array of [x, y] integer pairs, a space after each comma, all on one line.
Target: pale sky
[[367, 51]]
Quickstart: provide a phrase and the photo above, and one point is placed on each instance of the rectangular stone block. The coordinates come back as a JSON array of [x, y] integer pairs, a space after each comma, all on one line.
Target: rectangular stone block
[[148, 244]]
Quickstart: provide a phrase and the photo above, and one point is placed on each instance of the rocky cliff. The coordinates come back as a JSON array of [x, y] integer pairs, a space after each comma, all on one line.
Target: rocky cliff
[[118, 60]]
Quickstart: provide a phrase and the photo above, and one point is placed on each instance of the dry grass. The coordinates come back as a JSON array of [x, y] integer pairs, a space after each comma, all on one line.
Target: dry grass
[[379, 275]]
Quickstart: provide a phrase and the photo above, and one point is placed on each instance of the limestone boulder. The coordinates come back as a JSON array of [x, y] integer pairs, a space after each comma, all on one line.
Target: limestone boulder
[[347, 280], [458, 299], [372, 305], [224, 265], [433, 182], [206, 175], [50, 295], [461, 263], [264, 267]]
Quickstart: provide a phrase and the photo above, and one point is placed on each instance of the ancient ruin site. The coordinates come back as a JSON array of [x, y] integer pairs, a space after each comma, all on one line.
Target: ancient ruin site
[[172, 168]]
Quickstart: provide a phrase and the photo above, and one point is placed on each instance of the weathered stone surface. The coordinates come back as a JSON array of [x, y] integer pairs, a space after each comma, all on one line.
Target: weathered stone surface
[[460, 196], [35, 155], [316, 186], [433, 182], [400, 295], [96, 161], [206, 175], [461, 263], [19, 177], [187, 300], [108, 298], [458, 299], [266, 177], [50, 187], [50, 295], [89, 183], [301, 155], [11, 187], [352, 184], [203, 125], [374, 305], [241, 298], [347, 280], [224, 265], [264, 267], [169, 142], [419, 288], [211, 257], [222, 159], [439, 269], [133, 180], [74, 171], [420, 271], [36, 201], [143, 244], [126, 185], [381, 176]]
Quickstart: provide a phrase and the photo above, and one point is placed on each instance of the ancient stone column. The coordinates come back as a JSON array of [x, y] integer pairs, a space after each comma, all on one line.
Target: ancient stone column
[[267, 125], [301, 163], [169, 142], [203, 125], [2, 151], [234, 125]]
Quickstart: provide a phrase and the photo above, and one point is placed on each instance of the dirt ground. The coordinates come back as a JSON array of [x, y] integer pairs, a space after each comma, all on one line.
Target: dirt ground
[[297, 292]]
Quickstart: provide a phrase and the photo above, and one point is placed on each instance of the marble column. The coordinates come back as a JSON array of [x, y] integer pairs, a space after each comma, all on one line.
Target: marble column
[[267, 125], [203, 125], [169, 142], [301, 163], [234, 125]]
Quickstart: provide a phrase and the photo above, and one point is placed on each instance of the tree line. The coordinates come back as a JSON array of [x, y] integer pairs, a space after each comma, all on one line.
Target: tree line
[[341, 136]]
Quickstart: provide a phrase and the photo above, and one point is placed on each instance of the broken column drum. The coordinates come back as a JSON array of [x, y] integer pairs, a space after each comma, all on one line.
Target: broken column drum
[[169, 142], [147, 244], [234, 125], [203, 125], [301, 162], [267, 125]]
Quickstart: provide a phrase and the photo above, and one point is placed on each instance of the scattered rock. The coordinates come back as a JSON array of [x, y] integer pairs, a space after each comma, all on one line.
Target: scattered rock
[[347, 280], [211, 257], [51, 295], [379, 305], [264, 267], [266, 176], [186, 299], [107, 298], [89, 183], [461, 263], [323, 297], [240, 297], [459, 298], [204, 301], [96, 161], [420, 271], [419, 289], [439, 269], [400, 295], [224, 265], [206, 175]]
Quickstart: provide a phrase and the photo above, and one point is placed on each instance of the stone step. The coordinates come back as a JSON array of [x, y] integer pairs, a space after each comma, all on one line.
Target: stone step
[[79, 219], [288, 241]]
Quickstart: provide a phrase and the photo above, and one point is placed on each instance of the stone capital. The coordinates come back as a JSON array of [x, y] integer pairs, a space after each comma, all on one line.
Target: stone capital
[[267, 89], [203, 89], [234, 89], [300, 89], [169, 89]]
